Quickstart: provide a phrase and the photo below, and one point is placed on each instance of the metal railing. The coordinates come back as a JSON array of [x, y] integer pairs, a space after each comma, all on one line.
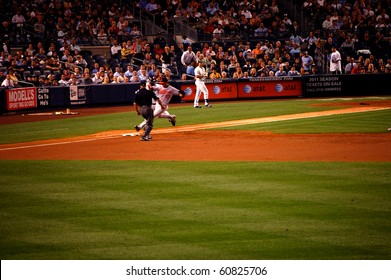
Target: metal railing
[[27, 83]]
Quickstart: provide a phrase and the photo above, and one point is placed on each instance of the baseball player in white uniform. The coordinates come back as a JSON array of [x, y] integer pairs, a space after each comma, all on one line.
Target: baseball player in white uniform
[[200, 76], [335, 61], [165, 92]]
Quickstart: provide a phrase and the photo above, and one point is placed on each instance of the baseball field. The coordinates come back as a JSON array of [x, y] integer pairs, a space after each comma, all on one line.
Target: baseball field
[[291, 179]]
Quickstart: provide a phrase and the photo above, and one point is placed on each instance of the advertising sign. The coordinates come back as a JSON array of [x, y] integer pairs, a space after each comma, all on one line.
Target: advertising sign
[[21, 98], [77, 95], [269, 87], [323, 84], [217, 90], [43, 97]]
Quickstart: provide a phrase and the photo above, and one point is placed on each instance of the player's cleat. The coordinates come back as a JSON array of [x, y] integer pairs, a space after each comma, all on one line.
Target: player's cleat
[[137, 128], [196, 107], [208, 106], [389, 129], [172, 120], [144, 138], [149, 137]]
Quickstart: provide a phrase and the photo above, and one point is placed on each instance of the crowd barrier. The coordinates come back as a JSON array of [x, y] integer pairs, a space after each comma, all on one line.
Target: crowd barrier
[[38, 98]]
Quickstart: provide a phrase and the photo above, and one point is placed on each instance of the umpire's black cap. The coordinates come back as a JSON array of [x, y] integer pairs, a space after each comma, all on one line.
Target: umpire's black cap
[[143, 83]]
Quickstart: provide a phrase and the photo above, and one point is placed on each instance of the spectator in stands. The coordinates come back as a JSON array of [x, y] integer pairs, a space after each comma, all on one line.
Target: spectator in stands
[[293, 72], [214, 74], [328, 45], [47, 82], [106, 80], [53, 65], [134, 78], [152, 71], [262, 69], [102, 37], [218, 33], [143, 76], [273, 8], [41, 56], [152, 7], [314, 70], [115, 49], [14, 76], [18, 21], [247, 66], [296, 38], [98, 77], [80, 61], [350, 65], [63, 81], [148, 59], [295, 51], [190, 69], [238, 74], [136, 33], [280, 72], [8, 82], [283, 31], [95, 68], [307, 61], [188, 57], [76, 71], [39, 26], [261, 32], [2, 76], [358, 69], [347, 47], [167, 58], [126, 51], [129, 71], [310, 42], [371, 69]]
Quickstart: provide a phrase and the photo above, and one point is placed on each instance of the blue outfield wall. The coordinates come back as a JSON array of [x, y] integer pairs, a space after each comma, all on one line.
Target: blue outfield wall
[[41, 99]]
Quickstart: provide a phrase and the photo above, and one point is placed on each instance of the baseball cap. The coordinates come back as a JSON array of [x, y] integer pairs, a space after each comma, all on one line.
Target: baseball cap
[[143, 83], [164, 80]]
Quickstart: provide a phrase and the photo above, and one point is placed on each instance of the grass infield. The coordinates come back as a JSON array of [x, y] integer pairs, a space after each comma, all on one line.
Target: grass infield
[[186, 210]]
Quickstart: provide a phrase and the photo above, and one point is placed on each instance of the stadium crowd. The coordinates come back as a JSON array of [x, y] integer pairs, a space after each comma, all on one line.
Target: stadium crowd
[[240, 39]]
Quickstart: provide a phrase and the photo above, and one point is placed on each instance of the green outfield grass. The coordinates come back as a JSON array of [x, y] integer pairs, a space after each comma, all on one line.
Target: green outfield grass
[[187, 210], [120, 210]]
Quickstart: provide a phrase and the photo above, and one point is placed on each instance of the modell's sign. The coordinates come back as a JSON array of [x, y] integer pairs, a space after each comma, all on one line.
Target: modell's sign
[[21, 98]]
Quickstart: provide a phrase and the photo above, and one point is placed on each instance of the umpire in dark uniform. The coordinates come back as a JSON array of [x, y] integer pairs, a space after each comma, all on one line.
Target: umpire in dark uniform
[[143, 106]]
